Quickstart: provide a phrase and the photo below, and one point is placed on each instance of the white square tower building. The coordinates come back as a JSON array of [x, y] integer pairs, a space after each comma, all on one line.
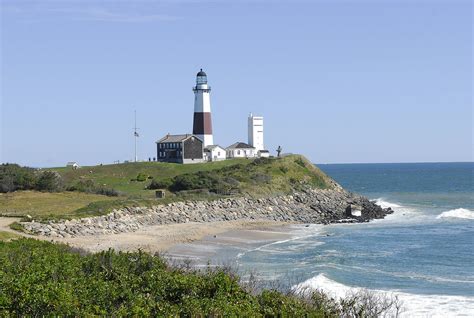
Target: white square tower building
[[256, 132]]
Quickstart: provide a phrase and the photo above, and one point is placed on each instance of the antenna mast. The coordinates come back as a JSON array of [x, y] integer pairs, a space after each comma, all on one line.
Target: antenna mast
[[136, 135]]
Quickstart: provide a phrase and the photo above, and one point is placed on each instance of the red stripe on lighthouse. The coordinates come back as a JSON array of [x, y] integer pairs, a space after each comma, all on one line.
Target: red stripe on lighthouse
[[202, 124]]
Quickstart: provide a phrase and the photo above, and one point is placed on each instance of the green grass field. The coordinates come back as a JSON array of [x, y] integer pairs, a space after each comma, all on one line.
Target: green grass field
[[44, 204], [119, 176], [251, 178], [6, 236]]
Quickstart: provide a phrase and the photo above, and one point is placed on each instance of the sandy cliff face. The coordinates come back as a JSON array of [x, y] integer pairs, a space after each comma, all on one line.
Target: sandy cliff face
[[305, 206]]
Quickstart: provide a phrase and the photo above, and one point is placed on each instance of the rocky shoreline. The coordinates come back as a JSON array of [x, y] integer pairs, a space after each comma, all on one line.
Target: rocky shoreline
[[307, 206]]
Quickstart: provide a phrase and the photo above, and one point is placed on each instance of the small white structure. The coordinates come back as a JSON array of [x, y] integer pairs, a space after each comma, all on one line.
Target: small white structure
[[255, 132], [72, 164], [240, 150], [263, 154], [214, 153]]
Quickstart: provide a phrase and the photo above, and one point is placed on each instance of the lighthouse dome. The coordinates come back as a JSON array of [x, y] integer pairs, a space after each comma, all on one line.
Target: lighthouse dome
[[201, 78], [201, 73]]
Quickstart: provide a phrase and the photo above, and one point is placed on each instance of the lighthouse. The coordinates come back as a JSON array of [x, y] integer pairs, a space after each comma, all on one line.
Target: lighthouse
[[202, 127]]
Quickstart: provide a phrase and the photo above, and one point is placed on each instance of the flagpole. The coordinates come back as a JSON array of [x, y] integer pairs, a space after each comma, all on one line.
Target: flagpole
[[136, 136]]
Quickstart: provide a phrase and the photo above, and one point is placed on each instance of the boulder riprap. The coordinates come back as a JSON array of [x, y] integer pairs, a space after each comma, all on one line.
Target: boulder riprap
[[307, 206]]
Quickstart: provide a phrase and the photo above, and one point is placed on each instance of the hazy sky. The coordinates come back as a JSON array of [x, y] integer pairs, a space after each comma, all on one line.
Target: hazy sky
[[339, 81]]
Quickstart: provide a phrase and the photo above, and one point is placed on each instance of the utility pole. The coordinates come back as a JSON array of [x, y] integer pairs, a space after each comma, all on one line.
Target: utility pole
[[135, 134]]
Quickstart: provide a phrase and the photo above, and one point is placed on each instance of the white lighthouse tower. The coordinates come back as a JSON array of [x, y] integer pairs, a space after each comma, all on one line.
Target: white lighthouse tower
[[202, 127], [255, 131]]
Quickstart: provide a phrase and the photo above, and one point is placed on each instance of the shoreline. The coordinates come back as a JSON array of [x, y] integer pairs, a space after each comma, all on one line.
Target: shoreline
[[313, 206], [156, 238], [158, 228]]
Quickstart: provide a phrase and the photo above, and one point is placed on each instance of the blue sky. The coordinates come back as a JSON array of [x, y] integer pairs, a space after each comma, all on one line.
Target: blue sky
[[339, 81]]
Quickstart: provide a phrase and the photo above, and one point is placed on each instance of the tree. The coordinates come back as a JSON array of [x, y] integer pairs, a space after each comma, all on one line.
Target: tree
[[49, 181]]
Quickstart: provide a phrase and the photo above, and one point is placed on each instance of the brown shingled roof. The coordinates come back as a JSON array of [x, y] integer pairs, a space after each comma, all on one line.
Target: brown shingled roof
[[240, 145], [176, 138]]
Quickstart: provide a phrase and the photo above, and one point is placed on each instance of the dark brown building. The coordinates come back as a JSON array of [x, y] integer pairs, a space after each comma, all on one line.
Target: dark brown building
[[180, 149]]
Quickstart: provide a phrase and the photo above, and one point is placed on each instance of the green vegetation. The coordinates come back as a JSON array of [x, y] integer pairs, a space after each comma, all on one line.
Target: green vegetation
[[14, 177], [88, 186], [98, 190], [41, 279], [257, 178], [17, 227], [123, 177], [5, 236], [46, 204]]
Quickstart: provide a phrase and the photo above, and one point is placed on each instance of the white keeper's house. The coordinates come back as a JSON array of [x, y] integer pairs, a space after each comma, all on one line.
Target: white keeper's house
[[214, 153], [240, 150]]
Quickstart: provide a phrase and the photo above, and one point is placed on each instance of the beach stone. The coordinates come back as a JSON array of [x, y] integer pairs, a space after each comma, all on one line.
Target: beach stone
[[306, 206]]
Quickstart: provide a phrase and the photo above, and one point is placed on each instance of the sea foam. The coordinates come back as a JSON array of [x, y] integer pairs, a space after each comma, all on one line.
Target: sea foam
[[457, 213], [385, 204], [413, 305], [401, 213]]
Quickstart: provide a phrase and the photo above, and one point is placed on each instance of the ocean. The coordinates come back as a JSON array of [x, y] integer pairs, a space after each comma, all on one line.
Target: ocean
[[423, 253]]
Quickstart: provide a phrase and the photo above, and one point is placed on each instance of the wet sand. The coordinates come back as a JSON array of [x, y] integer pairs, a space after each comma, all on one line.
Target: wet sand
[[217, 250]]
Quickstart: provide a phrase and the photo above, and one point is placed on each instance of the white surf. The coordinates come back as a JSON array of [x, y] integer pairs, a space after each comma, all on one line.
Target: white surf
[[458, 214], [414, 305]]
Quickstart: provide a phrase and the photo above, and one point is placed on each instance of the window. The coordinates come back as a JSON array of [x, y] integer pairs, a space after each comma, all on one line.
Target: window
[[238, 152], [218, 153]]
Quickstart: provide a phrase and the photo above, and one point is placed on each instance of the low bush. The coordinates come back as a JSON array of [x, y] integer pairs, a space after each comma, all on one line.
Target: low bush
[[159, 184], [284, 169], [17, 227], [299, 161], [262, 161], [49, 181], [141, 177], [14, 177], [88, 186], [42, 279]]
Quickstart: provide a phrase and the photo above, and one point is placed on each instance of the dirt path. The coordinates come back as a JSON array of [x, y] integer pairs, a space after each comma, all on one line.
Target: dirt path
[[5, 222], [5, 227]]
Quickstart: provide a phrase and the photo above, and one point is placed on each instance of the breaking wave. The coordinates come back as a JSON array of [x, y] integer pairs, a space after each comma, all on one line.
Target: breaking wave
[[385, 204], [413, 305], [457, 213]]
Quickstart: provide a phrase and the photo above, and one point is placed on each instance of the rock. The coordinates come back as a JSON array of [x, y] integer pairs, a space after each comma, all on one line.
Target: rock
[[307, 206]]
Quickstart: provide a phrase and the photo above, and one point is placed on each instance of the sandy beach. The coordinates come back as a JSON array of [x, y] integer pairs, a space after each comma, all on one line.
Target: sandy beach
[[163, 238]]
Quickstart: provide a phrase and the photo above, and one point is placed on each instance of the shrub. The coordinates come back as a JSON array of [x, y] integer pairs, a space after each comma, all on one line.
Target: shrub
[[107, 191], [160, 184], [17, 227], [299, 161], [14, 177], [199, 180], [284, 169], [88, 186], [141, 177], [262, 161], [43, 279], [49, 181]]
